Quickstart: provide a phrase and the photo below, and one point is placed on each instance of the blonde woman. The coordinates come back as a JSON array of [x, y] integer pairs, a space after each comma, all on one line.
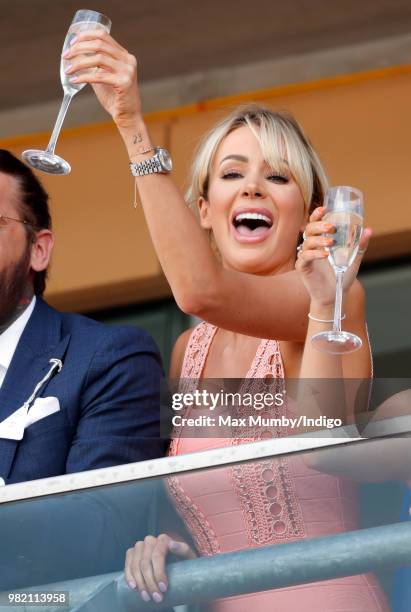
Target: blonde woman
[[257, 185]]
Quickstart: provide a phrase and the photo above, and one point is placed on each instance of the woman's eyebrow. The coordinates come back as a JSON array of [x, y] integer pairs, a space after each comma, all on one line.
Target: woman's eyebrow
[[240, 158]]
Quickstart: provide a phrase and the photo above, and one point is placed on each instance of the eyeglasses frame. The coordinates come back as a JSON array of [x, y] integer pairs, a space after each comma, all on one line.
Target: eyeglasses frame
[[27, 223]]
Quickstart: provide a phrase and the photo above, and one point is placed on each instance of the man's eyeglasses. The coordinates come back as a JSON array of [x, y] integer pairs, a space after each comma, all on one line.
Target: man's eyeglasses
[[4, 219]]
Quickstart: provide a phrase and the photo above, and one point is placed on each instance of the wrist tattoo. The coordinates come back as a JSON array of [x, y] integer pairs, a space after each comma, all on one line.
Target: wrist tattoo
[[137, 138]]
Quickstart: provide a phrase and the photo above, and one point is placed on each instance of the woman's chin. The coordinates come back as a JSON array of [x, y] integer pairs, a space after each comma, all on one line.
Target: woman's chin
[[250, 264], [262, 262]]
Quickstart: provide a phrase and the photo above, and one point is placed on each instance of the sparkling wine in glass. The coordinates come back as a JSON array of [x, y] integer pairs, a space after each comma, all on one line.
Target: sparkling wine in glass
[[344, 209], [46, 160]]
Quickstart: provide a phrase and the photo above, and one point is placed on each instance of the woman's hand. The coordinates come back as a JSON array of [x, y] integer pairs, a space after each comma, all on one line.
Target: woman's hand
[[316, 272], [111, 71], [145, 567]]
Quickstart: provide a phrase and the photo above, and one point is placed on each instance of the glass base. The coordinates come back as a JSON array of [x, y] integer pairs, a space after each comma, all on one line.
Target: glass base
[[336, 343], [46, 162]]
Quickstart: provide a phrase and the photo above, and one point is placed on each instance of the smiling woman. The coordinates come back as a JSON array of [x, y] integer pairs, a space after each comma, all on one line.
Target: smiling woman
[[257, 185]]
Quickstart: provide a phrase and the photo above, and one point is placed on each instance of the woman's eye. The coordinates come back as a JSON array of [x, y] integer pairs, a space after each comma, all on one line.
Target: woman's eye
[[231, 174], [277, 178]]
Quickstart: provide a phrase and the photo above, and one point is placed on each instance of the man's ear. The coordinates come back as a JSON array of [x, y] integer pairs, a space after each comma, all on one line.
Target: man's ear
[[41, 250], [204, 212]]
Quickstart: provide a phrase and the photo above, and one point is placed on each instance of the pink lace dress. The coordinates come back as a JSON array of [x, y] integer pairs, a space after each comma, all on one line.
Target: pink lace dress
[[267, 502]]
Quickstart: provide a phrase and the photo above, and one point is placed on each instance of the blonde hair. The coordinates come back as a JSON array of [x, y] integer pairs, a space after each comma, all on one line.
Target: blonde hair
[[283, 143]]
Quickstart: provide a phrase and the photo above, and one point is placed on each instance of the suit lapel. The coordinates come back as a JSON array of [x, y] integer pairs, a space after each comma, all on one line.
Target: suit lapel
[[41, 340]]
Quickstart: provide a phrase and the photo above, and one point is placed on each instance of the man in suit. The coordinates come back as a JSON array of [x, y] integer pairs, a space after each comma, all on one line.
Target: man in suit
[[74, 394]]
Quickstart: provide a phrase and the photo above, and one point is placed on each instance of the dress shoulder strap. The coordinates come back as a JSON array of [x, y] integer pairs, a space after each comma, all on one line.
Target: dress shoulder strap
[[197, 350], [267, 362]]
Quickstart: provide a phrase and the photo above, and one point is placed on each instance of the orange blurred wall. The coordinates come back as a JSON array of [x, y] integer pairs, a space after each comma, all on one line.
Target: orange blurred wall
[[103, 257]]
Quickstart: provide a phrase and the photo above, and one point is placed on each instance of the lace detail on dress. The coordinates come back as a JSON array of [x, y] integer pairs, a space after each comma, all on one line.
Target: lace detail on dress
[[195, 520], [272, 512], [268, 500], [197, 350], [193, 364], [267, 362]]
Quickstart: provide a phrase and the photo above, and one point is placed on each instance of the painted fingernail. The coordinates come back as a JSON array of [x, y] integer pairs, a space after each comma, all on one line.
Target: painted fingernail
[[145, 595], [131, 584], [66, 53], [69, 67], [73, 79], [73, 40], [162, 586], [173, 545], [157, 597]]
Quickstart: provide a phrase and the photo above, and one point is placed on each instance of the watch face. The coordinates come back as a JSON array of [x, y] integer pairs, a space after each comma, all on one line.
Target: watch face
[[165, 160]]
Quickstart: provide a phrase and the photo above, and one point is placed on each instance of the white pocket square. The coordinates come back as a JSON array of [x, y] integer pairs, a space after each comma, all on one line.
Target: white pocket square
[[42, 407], [14, 425]]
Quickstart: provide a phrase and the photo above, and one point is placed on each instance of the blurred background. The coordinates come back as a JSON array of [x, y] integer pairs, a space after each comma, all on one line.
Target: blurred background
[[342, 67]]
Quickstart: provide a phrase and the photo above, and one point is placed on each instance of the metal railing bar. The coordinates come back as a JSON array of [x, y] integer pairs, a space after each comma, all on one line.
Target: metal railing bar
[[166, 466], [248, 571], [280, 566]]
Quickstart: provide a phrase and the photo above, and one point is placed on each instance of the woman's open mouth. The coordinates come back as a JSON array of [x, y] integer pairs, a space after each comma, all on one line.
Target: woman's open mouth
[[252, 226]]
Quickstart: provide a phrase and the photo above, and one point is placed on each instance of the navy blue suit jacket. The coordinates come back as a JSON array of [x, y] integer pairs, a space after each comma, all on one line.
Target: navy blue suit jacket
[[108, 390]]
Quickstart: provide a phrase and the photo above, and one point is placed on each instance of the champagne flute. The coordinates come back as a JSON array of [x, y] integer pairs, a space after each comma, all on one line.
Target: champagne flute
[[46, 160], [344, 209]]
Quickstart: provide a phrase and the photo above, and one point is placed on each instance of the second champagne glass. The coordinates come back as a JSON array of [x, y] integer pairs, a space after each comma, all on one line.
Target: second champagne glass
[[46, 160], [344, 209]]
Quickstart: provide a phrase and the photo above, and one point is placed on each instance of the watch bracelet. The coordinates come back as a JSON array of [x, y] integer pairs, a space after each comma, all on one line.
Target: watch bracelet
[[147, 166]]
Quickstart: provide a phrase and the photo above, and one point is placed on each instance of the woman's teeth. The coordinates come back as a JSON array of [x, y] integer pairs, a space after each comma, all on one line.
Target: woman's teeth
[[252, 217], [249, 223]]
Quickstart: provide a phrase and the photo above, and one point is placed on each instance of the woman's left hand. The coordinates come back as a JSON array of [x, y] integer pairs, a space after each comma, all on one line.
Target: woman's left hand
[[312, 263], [110, 69]]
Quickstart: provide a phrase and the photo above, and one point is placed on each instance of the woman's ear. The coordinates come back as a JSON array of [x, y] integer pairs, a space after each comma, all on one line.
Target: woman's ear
[[204, 213]]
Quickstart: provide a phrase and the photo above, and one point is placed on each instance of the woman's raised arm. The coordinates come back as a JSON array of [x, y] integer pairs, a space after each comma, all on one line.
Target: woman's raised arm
[[265, 307]]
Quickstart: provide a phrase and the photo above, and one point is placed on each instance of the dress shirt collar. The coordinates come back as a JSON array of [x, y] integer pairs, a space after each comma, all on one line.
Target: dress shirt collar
[[9, 339]]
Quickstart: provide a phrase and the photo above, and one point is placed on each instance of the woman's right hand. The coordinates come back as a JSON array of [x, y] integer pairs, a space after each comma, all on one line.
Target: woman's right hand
[[145, 566], [110, 69]]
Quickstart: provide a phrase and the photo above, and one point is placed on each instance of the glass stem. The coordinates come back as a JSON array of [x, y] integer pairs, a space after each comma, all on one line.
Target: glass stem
[[59, 122], [338, 300]]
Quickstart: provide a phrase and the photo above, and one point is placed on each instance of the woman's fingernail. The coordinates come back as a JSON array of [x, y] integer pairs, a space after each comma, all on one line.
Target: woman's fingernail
[[73, 79], [73, 40], [131, 584], [68, 67], [157, 597], [66, 53], [162, 586], [173, 545], [145, 595]]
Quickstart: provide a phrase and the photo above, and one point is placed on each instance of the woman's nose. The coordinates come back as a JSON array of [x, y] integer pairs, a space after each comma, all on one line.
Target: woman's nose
[[254, 189]]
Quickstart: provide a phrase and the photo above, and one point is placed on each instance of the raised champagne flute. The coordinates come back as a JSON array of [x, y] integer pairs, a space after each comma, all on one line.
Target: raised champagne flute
[[46, 160], [344, 209]]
